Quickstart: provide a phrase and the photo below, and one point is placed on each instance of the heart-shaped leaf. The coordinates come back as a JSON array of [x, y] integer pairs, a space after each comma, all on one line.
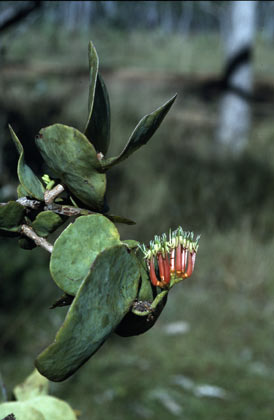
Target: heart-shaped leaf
[[52, 408], [102, 301], [26, 176], [73, 159], [20, 410], [43, 407], [77, 247], [33, 386], [141, 134], [46, 222], [11, 216]]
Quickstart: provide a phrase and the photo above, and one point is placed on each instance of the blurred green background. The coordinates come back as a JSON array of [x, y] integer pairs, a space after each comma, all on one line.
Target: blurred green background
[[210, 355]]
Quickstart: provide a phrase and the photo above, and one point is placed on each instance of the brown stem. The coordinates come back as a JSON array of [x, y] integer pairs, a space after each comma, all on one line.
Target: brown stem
[[56, 208], [50, 195], [26, 202], [43, 243]]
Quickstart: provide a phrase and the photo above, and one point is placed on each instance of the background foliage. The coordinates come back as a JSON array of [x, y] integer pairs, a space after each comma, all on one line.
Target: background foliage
[[211, 352]]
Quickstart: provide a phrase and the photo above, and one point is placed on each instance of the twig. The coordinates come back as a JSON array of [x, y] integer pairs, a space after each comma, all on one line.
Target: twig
[[56, 208], [29, 232], [50, 195], [26, 202], [67, 210]]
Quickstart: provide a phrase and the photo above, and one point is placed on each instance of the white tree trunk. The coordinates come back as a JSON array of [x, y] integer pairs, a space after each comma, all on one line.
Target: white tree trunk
[[235, 115]]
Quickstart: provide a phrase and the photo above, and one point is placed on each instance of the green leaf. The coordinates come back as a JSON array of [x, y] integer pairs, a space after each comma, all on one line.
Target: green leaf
[[11, 216], [93, 61], [141, 134], [77, 247], [21, 411], [21, 192], [147, 291], [98, 128], [131, 243], [42, 407], [142, 316], [26, 243], [46, 222], [147, 308], [52, 408], [104, 298], [120, 219], [73, 159], [33, 386], [26, 176], [64, 300]]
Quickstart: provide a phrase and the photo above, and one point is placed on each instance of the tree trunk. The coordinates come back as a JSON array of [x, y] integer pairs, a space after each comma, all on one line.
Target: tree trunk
[[235, 115]]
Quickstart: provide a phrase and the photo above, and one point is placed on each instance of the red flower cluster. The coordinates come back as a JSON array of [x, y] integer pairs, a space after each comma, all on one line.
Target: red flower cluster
[[175, 258]]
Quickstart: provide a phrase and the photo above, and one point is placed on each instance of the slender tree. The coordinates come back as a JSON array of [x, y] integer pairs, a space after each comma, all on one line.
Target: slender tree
[[234, 121]]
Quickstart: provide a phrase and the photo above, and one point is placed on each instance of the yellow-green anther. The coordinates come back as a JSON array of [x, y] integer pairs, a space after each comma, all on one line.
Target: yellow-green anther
[[190, 247]]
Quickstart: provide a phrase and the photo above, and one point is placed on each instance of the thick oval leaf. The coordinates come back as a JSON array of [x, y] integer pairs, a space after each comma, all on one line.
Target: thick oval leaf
[[93, 61], [120, 219], [142, 317], [146, 292], [46, 222], [77, 247], [98, 128], [131, 243], [11, 216], [34, 385], [21, 192], [147, 308], [102, 301], [64, 300], [26, 176], [52, 408], [73, 159], [141, 134], [21, 411]]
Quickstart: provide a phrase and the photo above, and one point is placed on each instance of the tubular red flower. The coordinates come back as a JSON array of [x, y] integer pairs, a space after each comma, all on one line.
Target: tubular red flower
[[172, 261], [166, 270], [161, 266], [152, 274], [193, 256], [184, 258], [189, 266], [175, 258], [178, 259]]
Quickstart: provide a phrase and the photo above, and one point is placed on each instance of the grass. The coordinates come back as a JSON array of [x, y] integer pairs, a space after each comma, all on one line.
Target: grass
[[226, 309]]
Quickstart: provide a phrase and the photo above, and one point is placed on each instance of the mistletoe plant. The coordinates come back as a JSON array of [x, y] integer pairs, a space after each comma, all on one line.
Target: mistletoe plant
[[111, 285]]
